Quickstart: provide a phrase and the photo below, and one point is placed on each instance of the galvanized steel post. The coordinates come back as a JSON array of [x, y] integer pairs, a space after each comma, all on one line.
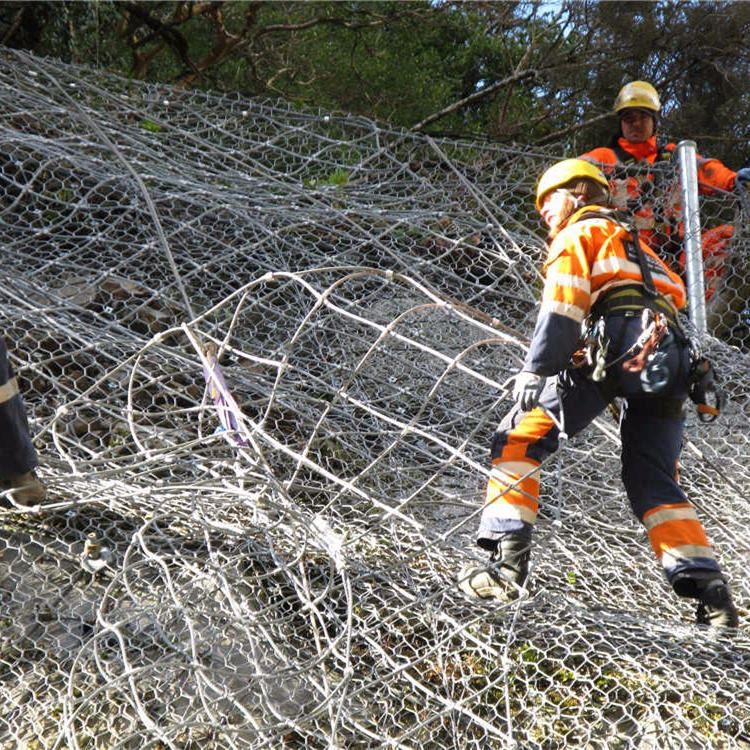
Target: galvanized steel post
[[687, 161]]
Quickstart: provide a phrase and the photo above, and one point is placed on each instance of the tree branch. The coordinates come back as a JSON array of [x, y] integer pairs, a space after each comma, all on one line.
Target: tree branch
[[476, 96], [319, 20], [13, 28], [173, 38], [552, 137], [225, 44]]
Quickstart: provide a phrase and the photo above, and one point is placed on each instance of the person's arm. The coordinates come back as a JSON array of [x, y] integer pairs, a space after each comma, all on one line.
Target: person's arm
[[566, 300], [712, 173]]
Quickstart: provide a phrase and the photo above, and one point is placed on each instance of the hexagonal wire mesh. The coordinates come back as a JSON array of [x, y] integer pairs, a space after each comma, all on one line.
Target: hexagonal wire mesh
[[290, 581]]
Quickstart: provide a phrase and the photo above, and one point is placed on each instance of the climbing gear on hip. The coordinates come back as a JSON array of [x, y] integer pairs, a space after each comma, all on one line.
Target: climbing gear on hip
[[646, 356], [660, 327], [651, 360], [602, 347], [593, 352]]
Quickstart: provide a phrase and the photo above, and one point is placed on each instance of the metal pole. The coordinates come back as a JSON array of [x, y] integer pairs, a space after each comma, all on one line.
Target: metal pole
[[687, 160]]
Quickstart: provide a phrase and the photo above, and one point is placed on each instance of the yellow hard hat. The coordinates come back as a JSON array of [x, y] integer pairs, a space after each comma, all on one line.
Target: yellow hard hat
[[567, 171], [638, 95]]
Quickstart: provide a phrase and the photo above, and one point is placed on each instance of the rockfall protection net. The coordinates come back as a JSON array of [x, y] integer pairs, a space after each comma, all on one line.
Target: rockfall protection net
[[290, 581]]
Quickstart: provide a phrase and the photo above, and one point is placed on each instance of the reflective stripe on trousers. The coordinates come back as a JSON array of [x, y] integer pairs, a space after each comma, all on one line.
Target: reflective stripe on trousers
[[650, 451]]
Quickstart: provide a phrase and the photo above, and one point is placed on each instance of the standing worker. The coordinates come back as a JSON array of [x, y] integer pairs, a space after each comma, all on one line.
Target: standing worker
[[597, 269], [18, 459], [634, 163]]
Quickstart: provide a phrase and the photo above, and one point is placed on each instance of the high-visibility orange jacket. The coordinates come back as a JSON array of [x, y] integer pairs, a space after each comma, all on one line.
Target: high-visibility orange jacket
[[655, 206], [589, 256], [622, 153]]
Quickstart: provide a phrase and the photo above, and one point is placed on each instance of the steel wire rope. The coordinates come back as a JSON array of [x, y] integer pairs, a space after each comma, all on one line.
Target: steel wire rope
[[449, 704], [384, 334], [344, 483], [383, 331], [318, 623], [147, 197], [490, 210], [136, 177], [153, 557], [160, 230], [671, 661]]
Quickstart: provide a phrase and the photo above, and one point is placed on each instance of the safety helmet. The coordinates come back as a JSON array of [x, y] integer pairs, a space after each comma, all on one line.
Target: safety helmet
[[565, 172], [638, 95]]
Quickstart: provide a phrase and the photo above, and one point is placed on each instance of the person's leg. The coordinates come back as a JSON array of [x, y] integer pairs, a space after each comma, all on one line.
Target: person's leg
[[522, 441], [651, 432], [18, 457]]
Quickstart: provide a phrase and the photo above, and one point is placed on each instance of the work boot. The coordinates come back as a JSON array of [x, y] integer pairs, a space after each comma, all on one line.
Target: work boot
[[504, 574], [716, 607], [26, 489]]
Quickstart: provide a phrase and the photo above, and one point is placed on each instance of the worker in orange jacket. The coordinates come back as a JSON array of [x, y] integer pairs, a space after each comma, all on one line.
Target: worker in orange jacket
[[597, 270], [634, 163]]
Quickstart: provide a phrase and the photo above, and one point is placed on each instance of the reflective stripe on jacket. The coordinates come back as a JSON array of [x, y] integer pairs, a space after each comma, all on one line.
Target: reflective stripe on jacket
[[585, 259]]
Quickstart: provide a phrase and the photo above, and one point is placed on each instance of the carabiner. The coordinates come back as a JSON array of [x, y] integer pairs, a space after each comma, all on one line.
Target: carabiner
[[655, 375]]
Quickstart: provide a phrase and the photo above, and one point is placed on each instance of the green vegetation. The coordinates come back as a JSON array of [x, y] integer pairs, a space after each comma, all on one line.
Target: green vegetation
[[510, 71], [151, 126]]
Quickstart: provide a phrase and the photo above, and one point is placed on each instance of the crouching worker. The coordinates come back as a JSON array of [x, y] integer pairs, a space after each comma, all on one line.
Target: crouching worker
[[598, 271], [18, 458]]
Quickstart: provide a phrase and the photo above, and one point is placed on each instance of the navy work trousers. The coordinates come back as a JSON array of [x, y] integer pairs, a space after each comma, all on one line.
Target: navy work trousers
[[17, 453], [651, 431]]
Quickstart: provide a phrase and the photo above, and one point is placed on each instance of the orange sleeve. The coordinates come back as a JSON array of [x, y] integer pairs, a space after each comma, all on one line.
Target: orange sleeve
[[603, 157], [712, 172]]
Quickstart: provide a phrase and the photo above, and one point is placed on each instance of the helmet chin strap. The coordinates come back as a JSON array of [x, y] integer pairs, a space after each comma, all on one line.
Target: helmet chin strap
[[569, 203], [573, 203]]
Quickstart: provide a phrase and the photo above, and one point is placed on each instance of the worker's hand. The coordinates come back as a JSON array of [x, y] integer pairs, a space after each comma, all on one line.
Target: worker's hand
[[527, 387], [743, 177]]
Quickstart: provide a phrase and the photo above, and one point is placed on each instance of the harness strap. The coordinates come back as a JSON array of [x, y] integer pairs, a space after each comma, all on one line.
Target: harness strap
[[625, 158], [648, 279], [630, 300], [633, 244]]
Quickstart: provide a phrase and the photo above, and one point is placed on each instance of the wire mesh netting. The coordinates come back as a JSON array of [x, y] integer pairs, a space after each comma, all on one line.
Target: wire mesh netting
[[262, 352]]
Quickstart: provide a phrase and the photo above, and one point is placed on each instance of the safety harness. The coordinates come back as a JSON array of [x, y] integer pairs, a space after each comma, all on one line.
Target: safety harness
[[632, 296], [660, 324]]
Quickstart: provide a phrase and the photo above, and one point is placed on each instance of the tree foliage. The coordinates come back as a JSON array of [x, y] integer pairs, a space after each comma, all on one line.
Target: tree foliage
[[511, 71]]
